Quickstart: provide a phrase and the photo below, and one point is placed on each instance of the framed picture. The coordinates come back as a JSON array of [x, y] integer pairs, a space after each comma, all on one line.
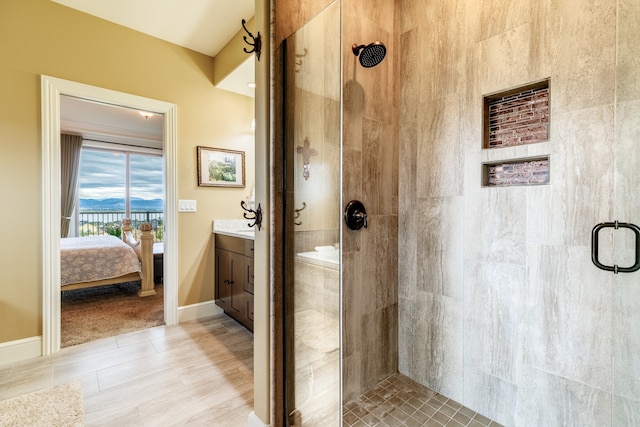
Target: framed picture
[[220, 168]]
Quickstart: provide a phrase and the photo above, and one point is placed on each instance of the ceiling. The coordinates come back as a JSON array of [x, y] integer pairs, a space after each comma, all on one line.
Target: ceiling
[[110, 123], [204, 26]]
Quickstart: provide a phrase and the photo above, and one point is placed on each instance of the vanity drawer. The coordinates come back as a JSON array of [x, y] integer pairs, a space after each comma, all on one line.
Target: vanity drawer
[[232, 244], [248, 248]]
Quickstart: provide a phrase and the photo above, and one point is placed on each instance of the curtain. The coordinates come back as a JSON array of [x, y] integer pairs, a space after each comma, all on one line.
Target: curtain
[[70, 146]]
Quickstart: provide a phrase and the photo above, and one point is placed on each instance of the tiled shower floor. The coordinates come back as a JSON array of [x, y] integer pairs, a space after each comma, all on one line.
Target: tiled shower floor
[[399, 401]]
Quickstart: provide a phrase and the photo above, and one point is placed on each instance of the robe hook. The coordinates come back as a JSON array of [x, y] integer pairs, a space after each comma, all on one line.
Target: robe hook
[[257, 41]]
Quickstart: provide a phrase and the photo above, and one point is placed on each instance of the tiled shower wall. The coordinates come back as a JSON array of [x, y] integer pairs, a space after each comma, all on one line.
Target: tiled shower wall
[[370, 174], [500, 307]]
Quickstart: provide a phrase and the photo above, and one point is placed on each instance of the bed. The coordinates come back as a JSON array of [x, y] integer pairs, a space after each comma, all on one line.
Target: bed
[[104, 260]]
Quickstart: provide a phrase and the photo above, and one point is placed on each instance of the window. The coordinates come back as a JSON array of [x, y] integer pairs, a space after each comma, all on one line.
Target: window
[[116, 184]]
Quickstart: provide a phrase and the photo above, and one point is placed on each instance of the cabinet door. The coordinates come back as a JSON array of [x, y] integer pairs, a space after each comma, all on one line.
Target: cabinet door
[[249, 306], [230, 283], [235, 280], [248, 270], [223, 290]]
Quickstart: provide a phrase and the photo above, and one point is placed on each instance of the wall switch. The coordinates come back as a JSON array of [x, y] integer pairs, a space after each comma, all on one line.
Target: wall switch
[[186, 205]]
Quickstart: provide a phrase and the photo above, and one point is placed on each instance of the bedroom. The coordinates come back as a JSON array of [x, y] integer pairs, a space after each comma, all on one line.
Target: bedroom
[[112, 169]]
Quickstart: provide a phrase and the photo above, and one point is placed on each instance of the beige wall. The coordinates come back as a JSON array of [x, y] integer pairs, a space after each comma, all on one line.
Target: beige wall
[[233, 54], [42, 37]]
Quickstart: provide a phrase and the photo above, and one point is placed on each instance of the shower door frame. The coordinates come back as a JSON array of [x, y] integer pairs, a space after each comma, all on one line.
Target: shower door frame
[[293, 217]]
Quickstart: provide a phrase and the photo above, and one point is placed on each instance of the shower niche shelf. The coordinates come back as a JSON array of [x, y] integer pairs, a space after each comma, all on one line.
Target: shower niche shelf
[[517, 172], [517, 116]]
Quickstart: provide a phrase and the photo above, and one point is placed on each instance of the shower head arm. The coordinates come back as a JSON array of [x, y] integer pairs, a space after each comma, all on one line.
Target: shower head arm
[[356, 49]]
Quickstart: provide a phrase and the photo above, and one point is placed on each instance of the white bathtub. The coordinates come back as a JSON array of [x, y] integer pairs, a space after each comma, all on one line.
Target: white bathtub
[[328, 259]]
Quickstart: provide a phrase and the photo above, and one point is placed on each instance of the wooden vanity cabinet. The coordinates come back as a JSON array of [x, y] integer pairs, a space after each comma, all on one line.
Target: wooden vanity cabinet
[[248, 284], [234, 277]]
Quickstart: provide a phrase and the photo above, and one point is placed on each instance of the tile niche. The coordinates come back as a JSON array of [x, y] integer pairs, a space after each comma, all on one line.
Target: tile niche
[[511, 118]]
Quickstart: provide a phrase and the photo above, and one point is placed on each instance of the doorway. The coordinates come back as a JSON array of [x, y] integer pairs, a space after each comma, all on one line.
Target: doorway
[[52, 90], [120, 175]]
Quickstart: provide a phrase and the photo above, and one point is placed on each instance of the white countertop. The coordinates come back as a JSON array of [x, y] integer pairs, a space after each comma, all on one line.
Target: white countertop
[[233, 227]]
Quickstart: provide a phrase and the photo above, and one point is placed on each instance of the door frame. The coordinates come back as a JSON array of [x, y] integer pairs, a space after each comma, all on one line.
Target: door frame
[[51, 90]]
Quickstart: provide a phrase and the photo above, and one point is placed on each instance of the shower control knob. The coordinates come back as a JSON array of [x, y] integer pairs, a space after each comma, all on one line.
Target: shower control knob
[[355, 215]]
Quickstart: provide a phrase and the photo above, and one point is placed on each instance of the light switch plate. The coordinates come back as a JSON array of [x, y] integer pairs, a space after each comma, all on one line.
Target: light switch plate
[[186, 205]]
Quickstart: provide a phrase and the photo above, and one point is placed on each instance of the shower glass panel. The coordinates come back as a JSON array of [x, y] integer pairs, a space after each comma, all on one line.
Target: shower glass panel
[[312, 186]]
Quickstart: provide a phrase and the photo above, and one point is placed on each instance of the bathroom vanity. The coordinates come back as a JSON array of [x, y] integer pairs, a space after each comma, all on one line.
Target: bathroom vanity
[[234, 274]]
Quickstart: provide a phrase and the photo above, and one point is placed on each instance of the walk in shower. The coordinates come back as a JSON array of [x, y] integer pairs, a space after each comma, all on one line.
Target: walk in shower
[[459, 292]]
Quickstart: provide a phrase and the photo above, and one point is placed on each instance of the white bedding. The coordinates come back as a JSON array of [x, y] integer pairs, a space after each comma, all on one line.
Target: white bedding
[[87, 259]]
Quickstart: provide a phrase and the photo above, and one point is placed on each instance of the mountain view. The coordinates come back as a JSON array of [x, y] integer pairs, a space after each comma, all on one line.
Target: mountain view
[[118, 205]]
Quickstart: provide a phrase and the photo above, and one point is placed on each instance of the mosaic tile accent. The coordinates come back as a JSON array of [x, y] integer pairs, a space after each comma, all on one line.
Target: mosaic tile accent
[[399, 401], [531, 172], [517, 118]]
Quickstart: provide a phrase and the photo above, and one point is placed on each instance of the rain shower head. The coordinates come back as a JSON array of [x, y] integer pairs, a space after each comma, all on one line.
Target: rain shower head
[[371, 54]]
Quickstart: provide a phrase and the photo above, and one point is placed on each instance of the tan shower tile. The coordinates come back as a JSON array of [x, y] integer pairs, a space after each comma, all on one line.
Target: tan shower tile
[[379, 11], [409, 78], [581, 47], [441, 163], [411, 15], [498, 17], [627, 81], [510, 47]]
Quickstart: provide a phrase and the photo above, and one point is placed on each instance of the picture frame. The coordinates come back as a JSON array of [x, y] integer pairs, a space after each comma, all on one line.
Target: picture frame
[[219, 167]]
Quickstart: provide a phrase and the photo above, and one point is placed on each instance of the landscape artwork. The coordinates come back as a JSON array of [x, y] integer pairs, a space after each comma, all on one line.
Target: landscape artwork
[[220, 168]]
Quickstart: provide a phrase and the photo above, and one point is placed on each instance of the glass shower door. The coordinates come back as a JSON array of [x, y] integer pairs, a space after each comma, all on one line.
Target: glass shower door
[[625, 337], [312, 215]]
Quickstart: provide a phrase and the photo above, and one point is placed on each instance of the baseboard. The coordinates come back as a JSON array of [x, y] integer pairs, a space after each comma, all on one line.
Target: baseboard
[[255, 421], [15, 351], [197, 311]]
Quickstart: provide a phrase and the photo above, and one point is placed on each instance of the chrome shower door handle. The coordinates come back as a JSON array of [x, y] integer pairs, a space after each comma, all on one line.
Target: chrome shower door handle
[[594, 247]]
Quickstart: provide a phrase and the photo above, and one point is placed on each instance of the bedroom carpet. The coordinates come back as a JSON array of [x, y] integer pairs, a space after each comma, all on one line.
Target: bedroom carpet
[[51, 407], [94, 313]]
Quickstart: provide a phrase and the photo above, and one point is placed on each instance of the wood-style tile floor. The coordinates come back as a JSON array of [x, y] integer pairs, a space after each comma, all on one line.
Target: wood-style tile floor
[[198, 373]]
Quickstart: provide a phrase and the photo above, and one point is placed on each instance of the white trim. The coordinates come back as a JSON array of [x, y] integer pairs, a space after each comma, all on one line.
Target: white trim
[[123, 148], [198, 311], [52, 89], [109, 133], [255, 421], [14, 351]]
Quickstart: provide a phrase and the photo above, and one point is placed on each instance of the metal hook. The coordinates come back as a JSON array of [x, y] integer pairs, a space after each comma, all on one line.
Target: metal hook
[[297, 214], [252, 215], [257, 41], [299, 57]]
